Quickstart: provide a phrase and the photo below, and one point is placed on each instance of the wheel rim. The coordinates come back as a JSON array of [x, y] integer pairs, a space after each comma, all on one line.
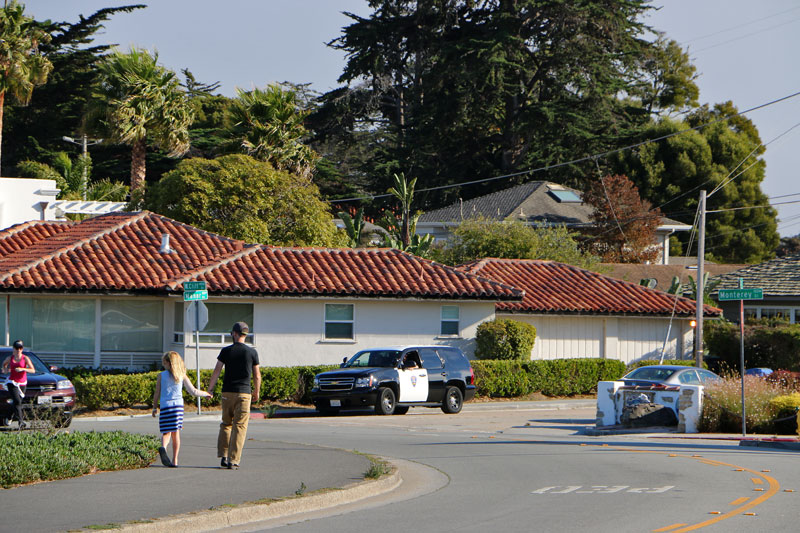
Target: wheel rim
[[387, 402], [452, 400]]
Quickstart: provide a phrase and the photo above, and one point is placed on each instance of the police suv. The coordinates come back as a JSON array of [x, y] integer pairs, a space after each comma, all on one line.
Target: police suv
[[395, 378]]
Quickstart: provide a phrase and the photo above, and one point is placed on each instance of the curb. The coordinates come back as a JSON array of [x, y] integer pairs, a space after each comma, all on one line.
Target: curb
[[217, 519], [777, 444]]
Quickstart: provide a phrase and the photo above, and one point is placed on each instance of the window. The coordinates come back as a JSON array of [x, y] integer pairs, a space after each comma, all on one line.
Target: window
[[131, 326], [775, 313], [53, 325], [450, 320], [221, 317], [565, 196], [339, 321]]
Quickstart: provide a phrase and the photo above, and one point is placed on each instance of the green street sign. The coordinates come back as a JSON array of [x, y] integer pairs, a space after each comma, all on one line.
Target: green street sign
[[191, 296], [194, 285], [741, 294]]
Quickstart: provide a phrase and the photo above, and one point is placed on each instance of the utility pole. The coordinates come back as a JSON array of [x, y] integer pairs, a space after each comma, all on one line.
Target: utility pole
[[85, 143], [699, 289]]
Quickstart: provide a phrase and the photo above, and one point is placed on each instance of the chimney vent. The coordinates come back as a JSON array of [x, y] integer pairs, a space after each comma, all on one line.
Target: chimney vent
[[165, 249]]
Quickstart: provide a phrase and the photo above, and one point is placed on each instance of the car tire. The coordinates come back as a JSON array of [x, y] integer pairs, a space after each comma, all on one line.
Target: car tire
[[5, 421], [401, 409], [386, 402], [453, 400]]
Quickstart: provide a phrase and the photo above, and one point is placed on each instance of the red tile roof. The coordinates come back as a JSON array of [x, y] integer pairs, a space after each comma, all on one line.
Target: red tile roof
[[20, 236], [552, 287], [373, 272], [120, 251]]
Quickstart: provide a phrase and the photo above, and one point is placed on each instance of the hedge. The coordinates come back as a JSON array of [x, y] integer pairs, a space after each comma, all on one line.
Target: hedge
[[493, 379], [126, 390], [771, 346], [552, 377], [504, 339], [651, 362]]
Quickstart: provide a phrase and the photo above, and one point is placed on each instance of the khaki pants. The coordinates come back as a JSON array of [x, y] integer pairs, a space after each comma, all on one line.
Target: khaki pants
[[233, 430]]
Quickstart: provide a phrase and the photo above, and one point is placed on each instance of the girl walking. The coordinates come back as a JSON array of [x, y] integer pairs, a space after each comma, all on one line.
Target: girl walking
[[169, 395]]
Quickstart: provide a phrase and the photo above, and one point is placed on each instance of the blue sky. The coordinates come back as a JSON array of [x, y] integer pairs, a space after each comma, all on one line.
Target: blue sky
[[745, 51]]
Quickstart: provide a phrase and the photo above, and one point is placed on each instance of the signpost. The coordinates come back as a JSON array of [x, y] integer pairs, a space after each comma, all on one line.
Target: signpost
[[741, 294], [195, 292]]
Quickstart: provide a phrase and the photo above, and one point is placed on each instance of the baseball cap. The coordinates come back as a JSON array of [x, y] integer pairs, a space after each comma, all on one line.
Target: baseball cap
[[241, 328], [18, 345]]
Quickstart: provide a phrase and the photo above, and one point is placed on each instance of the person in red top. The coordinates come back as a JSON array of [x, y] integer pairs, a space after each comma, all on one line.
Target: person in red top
[[17, 365]]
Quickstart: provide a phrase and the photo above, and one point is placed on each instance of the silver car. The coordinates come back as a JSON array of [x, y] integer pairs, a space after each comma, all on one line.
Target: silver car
[[659, 376]]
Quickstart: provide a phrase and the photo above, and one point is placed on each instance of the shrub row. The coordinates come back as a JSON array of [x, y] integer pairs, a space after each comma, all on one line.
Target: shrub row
[[127, 390], [494, 379], [554, 377], [40, 457], [771, 346], [650, 362]]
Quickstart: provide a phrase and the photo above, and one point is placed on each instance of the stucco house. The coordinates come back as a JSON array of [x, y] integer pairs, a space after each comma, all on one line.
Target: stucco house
[[780, 280], [107, 292], [535, 202], [580, 313]]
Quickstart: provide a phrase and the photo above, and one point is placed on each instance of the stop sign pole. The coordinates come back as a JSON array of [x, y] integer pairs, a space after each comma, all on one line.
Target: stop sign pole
[[195, 291]]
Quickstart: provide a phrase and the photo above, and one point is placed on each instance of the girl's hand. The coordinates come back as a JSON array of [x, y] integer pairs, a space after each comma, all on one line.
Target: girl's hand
[[207, 394]]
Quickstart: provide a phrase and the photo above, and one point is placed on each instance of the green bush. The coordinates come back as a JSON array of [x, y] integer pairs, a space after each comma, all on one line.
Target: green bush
[[503, 339], [774, 346], [555, 377], [722, 405], [40, 457]]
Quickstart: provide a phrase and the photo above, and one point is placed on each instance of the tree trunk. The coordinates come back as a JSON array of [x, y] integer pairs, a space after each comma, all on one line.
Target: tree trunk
[[138, 155]]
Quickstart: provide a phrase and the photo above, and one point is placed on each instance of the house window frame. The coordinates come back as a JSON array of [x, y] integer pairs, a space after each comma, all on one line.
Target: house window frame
[[449, 320], [792, 311], [212, 338], [351, 321]]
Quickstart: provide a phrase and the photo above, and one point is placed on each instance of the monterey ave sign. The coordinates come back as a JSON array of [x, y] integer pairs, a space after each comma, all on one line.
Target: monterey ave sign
[[741, 294], [194, 290]]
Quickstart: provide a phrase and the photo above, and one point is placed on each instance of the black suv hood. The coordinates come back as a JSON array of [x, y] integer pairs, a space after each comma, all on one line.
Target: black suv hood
[[351, 372]]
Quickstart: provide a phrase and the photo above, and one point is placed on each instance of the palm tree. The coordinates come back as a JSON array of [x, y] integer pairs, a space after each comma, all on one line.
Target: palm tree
[[142, 101], [404, 192], [21, 66], [268, 125], [69, 178]]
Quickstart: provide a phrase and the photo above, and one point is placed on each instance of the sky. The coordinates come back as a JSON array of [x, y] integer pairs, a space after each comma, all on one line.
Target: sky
[[744, 51]]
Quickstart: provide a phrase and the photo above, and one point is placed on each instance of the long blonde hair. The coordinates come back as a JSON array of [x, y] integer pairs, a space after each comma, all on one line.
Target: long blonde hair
[[173, 362]]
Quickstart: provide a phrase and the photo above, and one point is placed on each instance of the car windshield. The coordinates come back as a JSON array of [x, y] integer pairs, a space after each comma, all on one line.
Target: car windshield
[[40, 367], [374, 358], [651, 373]]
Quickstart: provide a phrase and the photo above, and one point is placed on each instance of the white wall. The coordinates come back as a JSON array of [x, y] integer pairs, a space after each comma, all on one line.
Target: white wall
[[25, 199], [290, 332], [625, 338]]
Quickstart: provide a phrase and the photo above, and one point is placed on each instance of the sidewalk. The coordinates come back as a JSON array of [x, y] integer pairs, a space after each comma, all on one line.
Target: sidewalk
[[270, 471]]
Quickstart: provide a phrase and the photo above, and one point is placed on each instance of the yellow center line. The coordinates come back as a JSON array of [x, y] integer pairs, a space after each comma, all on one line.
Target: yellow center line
[[756, 481], [668, 528], [774, 487], [739, 501]]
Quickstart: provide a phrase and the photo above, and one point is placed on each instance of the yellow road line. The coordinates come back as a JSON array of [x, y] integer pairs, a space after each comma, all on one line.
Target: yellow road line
[[756, 481], [668, 528], [739, 501]]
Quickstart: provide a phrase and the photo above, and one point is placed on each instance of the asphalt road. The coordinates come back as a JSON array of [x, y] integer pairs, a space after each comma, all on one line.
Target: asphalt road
[[514, 469], [501, 467]]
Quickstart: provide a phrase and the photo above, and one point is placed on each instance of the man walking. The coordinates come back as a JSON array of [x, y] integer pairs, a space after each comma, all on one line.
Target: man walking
[[241, 364]]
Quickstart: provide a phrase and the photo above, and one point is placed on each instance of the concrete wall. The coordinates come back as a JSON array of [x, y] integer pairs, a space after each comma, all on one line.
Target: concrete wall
[[628, 339], [686, 402], [25, 199]]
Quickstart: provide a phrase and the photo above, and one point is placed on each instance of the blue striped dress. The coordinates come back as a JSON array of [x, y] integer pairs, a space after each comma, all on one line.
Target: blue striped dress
[[171, 401]]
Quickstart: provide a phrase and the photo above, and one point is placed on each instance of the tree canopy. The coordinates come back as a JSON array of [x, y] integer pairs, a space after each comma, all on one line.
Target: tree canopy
[[478, 238], [243, 198]]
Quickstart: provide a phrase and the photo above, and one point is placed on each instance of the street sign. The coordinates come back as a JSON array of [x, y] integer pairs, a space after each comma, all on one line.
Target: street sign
[[191, 296], [741, 294], [194, 285], [201, 313]]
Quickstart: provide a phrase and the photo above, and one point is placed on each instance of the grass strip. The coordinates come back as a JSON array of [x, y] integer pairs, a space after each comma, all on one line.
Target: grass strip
[[34, 456]]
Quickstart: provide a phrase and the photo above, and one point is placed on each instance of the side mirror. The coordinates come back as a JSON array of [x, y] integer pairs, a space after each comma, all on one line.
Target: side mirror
[[53, 368]]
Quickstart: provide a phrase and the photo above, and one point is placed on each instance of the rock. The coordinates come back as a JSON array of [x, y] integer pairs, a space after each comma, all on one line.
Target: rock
[[648, 414]]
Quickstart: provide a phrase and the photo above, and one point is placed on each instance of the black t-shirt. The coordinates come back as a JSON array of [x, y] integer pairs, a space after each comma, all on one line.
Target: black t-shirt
[[238, 359]]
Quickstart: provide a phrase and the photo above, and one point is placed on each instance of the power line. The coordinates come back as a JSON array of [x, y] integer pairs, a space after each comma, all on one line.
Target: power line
[[744, 24], [578, 160], [739, 38]]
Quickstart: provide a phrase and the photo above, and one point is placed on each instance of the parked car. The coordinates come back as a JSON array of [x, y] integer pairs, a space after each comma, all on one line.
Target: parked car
[[662, 376], [392, 379], [48, 395], [760, 372]]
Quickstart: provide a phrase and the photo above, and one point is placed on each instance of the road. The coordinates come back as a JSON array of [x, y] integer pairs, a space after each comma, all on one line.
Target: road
[[513, 467]]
